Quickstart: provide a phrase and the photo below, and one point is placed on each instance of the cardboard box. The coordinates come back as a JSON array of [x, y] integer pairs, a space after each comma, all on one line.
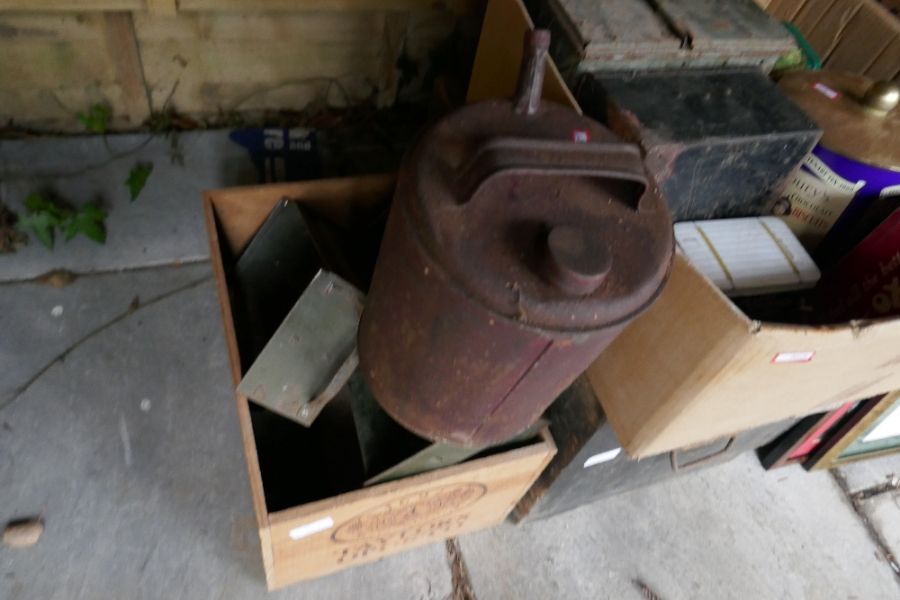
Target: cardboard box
[[325, 532], [859, 36], [694, 368]]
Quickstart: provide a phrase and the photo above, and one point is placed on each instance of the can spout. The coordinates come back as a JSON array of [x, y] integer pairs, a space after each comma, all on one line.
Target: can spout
[[531, 73]]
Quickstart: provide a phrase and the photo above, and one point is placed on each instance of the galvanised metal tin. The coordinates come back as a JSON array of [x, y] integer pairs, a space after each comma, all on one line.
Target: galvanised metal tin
[[590, 463], [522, 238]]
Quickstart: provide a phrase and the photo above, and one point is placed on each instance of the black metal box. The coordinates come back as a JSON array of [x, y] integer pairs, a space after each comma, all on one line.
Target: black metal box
[[718, 141], [590, 464]]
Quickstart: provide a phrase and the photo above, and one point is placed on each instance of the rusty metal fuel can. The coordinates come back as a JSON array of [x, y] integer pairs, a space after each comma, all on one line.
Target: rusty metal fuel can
[[522, 238]]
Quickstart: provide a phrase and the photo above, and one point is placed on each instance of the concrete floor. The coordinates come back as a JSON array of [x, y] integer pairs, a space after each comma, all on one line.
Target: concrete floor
[[117, 427]]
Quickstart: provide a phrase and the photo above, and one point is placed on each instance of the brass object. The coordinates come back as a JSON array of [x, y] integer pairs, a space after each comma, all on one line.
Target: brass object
[[882, 97], [855, 113]]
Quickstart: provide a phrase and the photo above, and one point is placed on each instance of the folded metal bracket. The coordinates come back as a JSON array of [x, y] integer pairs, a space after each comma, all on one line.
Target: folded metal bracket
[[312, 353]]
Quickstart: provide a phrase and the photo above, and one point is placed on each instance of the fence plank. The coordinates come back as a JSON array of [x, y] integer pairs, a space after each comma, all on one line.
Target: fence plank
[[162, 8], [254, 61], [123, 53], [53, 67]]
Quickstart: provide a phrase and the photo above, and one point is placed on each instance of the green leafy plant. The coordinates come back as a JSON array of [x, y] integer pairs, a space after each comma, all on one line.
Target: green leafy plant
[[96, 119], [89, 221], [45, 218], [137, 179]]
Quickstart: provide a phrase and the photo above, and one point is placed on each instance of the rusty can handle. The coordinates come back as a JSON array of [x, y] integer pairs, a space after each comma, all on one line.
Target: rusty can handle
[[527, 156], [573, 260]]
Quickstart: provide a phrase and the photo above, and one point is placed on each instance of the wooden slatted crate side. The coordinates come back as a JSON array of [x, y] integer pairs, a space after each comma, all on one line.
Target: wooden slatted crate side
[[367, 523], [825, 28], [787, 10], [859, 36], [243, 409], [887, 65], [370, 523], [809, 13]]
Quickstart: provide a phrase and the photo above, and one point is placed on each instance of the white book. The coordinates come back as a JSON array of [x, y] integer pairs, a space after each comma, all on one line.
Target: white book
[[747, 256]]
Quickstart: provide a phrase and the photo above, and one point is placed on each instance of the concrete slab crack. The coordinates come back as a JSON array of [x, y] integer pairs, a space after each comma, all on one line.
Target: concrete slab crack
[[6, 402], [462, 587], [876, 490], [63, 277], [856, 501], [646, 591], [113, 155]]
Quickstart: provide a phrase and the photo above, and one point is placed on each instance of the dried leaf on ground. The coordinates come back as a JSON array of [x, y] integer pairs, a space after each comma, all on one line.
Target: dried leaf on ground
[[58, 278]]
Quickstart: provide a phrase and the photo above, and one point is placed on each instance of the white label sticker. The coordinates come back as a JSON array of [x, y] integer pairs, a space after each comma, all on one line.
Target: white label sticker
[[602, 457], [793, 357], [298, 533], [581, 136], [826, 91]]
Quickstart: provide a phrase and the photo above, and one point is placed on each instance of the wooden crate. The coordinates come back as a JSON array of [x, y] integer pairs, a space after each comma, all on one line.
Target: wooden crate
[[694, 367], [327, 534]]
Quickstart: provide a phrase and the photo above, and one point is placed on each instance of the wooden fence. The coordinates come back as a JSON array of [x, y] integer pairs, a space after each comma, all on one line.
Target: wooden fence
[[207, 57]]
